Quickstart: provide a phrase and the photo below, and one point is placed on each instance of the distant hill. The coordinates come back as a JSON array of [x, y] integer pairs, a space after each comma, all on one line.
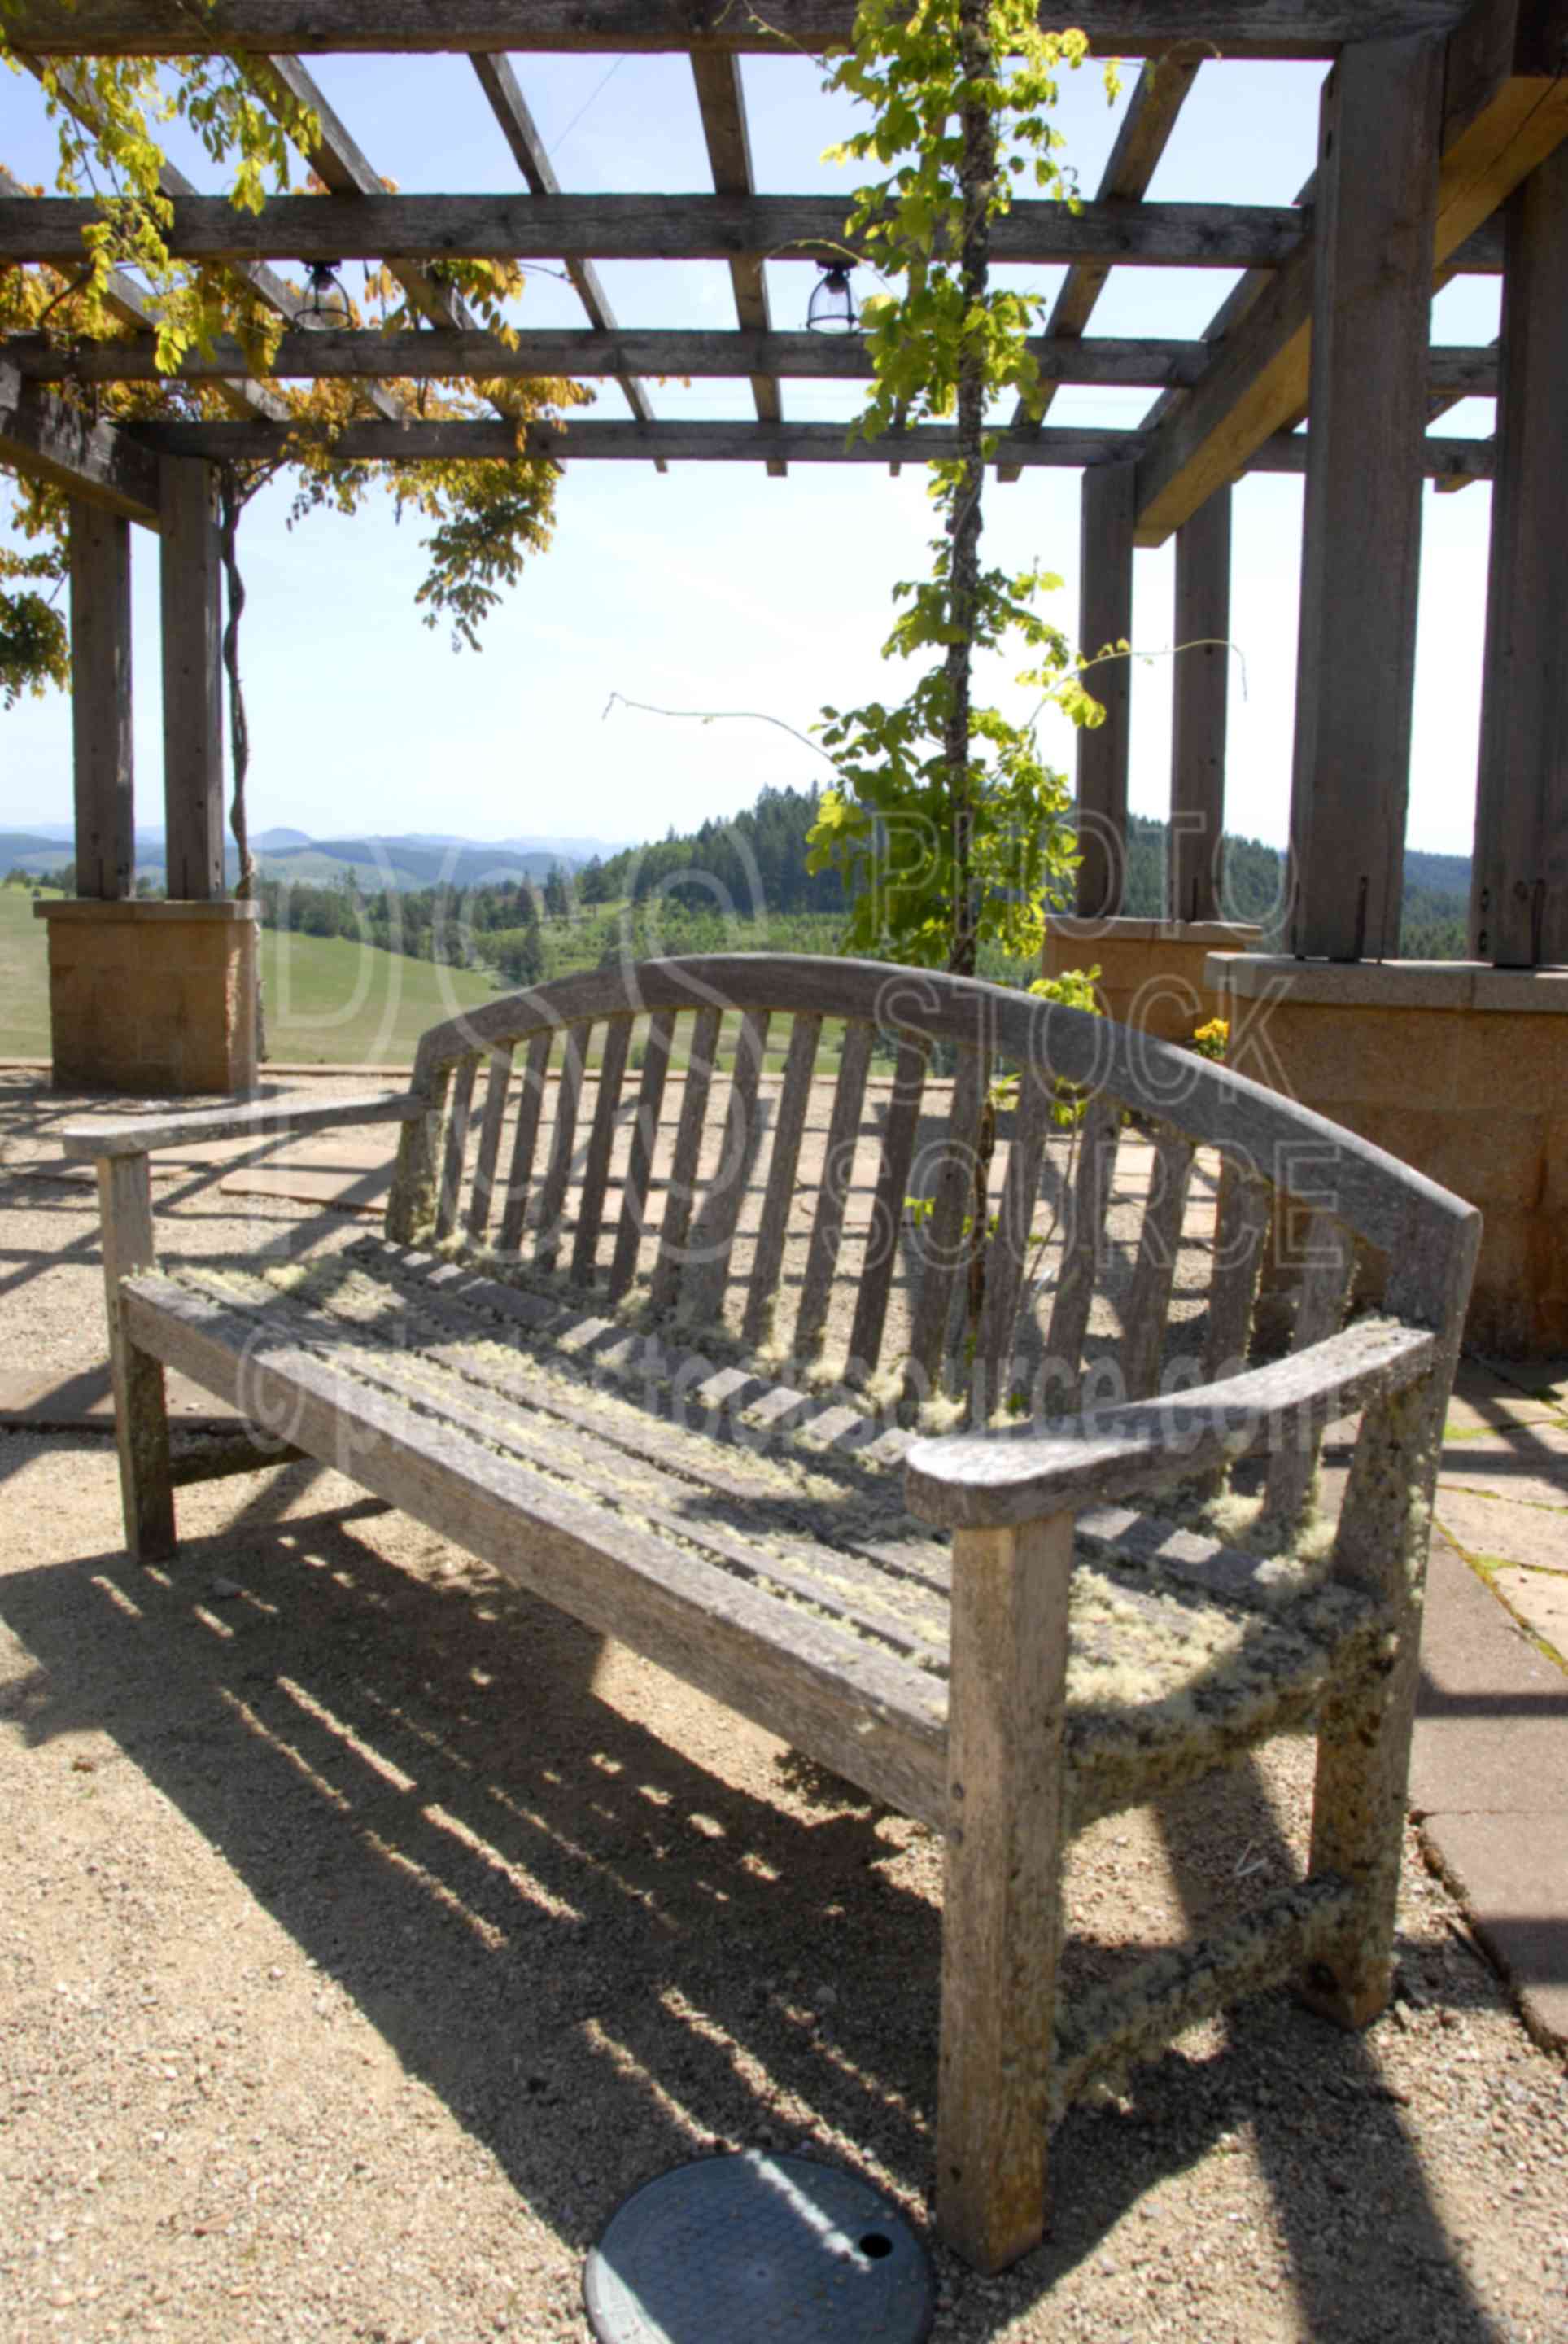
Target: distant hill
[[277, 842], [403, 863]]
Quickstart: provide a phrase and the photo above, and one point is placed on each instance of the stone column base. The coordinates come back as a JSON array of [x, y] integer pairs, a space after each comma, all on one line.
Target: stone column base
[[1457, 1068], [1152, 972], [153, 997]]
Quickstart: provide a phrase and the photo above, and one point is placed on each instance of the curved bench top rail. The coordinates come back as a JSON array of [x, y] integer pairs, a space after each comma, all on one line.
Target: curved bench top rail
[[1424, 1229]]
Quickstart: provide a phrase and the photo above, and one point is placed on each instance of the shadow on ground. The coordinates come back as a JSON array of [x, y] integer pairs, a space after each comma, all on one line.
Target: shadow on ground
[[602, 1955]]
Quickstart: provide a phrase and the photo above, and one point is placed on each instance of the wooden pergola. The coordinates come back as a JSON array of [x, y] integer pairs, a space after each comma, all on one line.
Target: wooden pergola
[[1442, 151], [1442, 129]]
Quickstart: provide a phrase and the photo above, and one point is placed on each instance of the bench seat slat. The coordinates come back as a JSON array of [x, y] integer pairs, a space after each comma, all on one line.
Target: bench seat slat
[[1180, 1600], [834, 1696]]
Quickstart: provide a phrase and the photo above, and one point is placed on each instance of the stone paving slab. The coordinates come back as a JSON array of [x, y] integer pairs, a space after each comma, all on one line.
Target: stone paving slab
[[1489, 1783], [1498, 1530], [1485, 1401], [1541, 1600]]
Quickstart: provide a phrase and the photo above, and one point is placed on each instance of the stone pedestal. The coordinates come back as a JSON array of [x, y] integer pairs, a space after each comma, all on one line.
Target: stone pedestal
[[155, 999], [1454, 1067], [1152, 972]]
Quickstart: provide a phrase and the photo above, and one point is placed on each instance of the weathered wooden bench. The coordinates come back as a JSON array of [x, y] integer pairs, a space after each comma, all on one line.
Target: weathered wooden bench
[[665, 1369]]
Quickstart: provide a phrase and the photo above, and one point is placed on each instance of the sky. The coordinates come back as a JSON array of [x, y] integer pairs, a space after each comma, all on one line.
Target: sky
[[715, 589]]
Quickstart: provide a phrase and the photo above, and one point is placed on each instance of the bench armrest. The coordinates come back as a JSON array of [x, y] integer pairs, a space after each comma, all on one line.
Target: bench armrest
[[269, 1119], [993, 1481]]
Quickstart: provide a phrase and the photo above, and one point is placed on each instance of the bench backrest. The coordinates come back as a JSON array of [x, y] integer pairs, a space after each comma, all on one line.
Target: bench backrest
[[753, 1045]]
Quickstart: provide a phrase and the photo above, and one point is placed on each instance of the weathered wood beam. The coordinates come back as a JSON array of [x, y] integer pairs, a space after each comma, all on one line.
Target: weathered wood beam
[[1146, 127], [125, 299], [1200, 679], [1105, 618], [721, 102], [648, 227], [52, 440], [1455, 370], [1505, 108], [1519, 901], [76, 96], [101, 746], [521, 133], [191, 583], [722, 442], [1361, 557], [1237, 28]]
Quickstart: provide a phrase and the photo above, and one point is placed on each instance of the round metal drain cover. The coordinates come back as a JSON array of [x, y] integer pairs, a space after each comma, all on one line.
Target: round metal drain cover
[[757, 2250]]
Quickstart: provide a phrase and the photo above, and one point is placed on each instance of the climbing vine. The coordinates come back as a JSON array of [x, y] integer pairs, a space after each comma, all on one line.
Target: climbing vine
[[111, 116], [947, 822]]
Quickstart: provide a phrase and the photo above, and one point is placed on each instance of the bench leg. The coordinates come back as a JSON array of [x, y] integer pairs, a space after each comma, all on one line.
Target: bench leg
[[1002, 1908], [1365, 1728], [141, 1414]]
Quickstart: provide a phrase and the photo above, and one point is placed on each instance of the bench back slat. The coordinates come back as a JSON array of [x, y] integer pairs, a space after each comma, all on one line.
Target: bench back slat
[[1242, 1221], [887, 1232], [1008, 1254], [942, 1245], [458, 1110], [788, 1125], [482, 1191], [563, 1145], [1159, 1242], [1088, 1201], [1320, 1313], [525, 1140], [680, 1195], [740, 1136], [596, 1174], [837, 1177], [644, 1142], [831, 1210]]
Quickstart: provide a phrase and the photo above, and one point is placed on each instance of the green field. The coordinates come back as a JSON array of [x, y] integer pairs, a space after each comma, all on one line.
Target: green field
[[326, 1000], [24, 978]]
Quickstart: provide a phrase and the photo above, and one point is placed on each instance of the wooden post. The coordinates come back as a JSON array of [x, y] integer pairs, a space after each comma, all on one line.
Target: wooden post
[[1201, 691], [141, 1413], [1105, 616], [193, 682], [1374, 220], [1519, 886], [1001, 1918], [101, 701]]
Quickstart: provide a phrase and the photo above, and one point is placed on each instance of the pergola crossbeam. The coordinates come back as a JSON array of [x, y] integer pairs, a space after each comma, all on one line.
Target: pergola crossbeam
[[723, 442], [802, 229], [1238, 28], [1457, 370]]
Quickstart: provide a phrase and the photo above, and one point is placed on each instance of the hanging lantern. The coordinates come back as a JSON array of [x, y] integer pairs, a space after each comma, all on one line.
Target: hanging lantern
[[329, 303], [831, 309]]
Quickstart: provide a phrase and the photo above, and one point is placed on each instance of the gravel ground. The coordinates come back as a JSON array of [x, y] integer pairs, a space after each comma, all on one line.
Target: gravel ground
[[371, 1931]]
